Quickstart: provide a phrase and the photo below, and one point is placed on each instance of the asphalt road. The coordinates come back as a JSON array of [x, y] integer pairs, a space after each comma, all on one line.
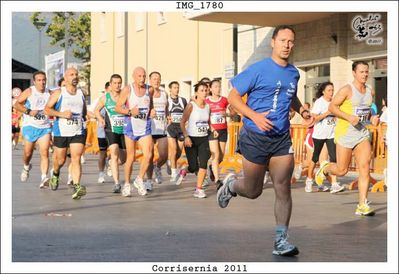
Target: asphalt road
[[170, 225]]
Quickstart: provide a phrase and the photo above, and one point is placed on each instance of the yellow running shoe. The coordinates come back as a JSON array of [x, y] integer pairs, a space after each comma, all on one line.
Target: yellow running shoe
[[364, 210], [320, 176]]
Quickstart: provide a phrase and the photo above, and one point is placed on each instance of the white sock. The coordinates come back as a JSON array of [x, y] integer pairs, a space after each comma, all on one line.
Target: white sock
[[174, 172], [26, 167], [44, 176], [101, 174], [168, 162]]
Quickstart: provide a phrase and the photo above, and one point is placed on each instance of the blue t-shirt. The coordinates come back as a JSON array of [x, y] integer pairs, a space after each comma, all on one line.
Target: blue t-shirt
[[269, 86]]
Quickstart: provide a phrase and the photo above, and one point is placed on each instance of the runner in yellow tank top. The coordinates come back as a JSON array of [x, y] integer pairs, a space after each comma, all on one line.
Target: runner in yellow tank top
[[352, 105]]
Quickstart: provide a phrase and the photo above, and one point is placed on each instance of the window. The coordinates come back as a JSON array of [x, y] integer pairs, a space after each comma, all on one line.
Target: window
[[103, 32], [161, 18], [139, 19], [120, 24]]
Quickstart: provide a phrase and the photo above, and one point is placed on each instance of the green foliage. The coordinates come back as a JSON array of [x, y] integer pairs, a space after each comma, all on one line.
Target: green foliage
[[79, 35]]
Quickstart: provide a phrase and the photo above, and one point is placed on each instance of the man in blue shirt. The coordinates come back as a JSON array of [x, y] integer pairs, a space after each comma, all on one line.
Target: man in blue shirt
[[265, 141]]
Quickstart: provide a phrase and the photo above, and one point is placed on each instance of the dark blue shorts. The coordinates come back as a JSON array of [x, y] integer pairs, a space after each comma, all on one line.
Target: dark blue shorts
[[259, 149]]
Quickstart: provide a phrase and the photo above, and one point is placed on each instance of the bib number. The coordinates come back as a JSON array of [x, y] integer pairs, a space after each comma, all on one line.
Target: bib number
[[218, 118], [142, 114], [74, 120], [160, 116], [40, 116], [176, 117], [202, 127], [363, 113], [118, 121]]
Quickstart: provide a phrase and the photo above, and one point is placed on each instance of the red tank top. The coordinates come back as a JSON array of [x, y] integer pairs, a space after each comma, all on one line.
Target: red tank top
[[218, 112]]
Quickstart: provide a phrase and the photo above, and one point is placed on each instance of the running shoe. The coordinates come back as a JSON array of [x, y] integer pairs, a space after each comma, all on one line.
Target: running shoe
[[44, 183], [109, 170], [101, 178], [78, 192], [308, 185], [298, 172], [127, 190], [224, 194], [82, 160], [323, 188], [182, 175], [139, 184], [54, 182], [25, 173], [364, 210], [148, 185], [199, 193], [336, 187], [283, 248], [116, 188], [158, 175], [320, 176]]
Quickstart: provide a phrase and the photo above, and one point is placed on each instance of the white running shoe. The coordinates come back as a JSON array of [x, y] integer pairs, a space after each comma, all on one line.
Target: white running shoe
[[148, 185], [44, 182], [127, 190], [25, 173], [101, 178], [199, 193], [336, 187], [82, 160], [109, 170], [323, 188], [298, 172], [308, 185], [139, 184], [182, 175], [158, 175]]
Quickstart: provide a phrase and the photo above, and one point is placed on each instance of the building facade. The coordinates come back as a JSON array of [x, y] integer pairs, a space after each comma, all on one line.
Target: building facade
[[186, 47]]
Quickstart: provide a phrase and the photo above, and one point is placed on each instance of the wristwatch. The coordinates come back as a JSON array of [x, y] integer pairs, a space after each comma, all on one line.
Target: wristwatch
[[129, 113], [27, 111]]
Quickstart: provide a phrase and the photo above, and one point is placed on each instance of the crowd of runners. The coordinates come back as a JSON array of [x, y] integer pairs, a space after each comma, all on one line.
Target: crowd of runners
[[144, 115]]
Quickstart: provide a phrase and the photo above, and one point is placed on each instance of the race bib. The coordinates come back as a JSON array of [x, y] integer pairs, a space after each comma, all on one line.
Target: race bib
[[40, 116], [218, 118], [159, 115], [142, 114], [76, 119], [118, 121], [176, 117], [330, 120], [363, 113], [202, 127]]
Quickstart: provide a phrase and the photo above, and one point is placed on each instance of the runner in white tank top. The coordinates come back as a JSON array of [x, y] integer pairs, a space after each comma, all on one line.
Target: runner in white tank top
[[36, 125], [68, 106], [158, 130], [196, 141], [135, 101]]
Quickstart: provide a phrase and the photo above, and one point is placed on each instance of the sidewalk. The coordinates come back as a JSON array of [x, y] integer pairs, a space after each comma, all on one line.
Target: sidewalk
[[170, 225]]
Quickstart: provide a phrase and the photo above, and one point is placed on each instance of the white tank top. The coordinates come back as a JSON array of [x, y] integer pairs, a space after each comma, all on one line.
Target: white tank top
[[74, 103], [198, 122], [140, 121], [37, 101], [158, 125]]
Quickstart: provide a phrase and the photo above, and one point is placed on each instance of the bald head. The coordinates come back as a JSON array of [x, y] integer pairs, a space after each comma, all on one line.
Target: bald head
[[139, 76], [71, 77]]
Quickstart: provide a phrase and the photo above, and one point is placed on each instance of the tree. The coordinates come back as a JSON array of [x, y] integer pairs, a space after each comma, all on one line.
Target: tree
[[78, 36]]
